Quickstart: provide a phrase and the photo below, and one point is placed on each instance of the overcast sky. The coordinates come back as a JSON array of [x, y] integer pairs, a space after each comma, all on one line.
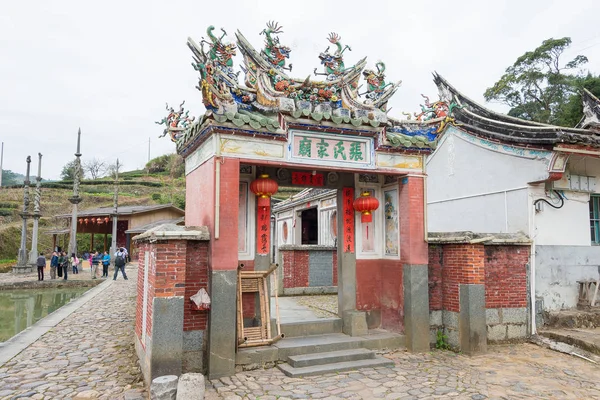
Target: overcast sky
[[110, 66]]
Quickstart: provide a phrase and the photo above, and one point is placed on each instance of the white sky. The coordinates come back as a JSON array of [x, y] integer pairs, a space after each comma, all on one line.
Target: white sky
[[109, 67]]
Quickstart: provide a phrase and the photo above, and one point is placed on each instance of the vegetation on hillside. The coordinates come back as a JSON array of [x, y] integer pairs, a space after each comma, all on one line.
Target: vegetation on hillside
[[164, 184]]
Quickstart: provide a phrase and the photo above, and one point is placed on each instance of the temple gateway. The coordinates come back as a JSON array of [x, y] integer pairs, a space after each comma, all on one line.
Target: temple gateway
[[265, 130]]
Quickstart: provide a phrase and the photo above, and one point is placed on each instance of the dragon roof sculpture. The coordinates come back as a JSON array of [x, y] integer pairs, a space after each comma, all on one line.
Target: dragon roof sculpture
[[267, 87]]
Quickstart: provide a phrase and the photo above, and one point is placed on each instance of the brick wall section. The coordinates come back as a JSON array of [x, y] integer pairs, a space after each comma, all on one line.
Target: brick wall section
[[295, 268], [506, 276], [169, 276], [501, 268], [462, 264], [435, 277], [196, 277], [335, 269]]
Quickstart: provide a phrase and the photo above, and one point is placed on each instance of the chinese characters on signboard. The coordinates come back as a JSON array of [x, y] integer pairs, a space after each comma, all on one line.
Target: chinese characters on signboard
[[263, 230], [331, 149], [348, 209], [307, 178]]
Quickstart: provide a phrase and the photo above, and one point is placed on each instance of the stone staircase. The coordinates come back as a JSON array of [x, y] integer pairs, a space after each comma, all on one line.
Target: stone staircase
[[332, 361]]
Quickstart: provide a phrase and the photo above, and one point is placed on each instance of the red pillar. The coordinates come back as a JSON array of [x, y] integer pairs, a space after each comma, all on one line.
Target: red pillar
[[413, 246]]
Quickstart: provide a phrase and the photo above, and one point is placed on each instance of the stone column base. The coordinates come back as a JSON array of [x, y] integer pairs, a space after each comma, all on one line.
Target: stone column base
[[355, 323], [22, 269]]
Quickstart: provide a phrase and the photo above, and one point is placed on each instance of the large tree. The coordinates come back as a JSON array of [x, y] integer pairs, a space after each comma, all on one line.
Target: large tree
[[539, 83], [94, 167], [68, 172]]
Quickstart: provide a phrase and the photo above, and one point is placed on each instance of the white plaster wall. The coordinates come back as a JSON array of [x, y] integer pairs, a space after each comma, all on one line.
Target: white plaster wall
[[459, 168], [558, 268], [567, 226]]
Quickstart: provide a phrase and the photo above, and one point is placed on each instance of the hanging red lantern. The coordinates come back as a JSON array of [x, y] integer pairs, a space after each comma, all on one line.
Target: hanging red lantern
[[264, 187], [93, 220], [106, 219], [86, 220], [80, 220], [366, 204]]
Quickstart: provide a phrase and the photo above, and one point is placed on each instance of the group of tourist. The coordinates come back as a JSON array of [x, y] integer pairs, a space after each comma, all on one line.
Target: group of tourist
[[60, 264]]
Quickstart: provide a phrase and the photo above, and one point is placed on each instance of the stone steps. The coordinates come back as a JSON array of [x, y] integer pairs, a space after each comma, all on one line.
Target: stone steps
[[376, 339], [321, 326], [333, 361]]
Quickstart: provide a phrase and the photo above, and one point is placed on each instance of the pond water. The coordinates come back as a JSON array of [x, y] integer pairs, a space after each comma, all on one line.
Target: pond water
[[19, 309]]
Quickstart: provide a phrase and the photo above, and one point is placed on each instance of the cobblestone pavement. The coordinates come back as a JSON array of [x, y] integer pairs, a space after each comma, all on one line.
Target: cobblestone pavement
[[90, 354], [325, 306], [521, 371]]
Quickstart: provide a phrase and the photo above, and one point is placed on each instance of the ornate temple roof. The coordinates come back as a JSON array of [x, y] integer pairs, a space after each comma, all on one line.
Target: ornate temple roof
[[591, 111], [266, 101], [269, 99], [481, 121]]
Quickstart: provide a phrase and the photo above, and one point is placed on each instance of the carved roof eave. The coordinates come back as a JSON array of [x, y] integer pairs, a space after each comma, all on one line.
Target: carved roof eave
[[326, 124], [199, 132], [444, 85], [591, 111]]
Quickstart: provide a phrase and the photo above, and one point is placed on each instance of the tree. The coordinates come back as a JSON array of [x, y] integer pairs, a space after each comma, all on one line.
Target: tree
[[538, 84], [68, 172], [10, 178], [571, 112], [111, 170], [94, 167]]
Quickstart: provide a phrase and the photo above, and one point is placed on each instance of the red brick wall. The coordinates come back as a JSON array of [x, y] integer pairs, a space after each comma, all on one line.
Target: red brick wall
[[335, 271], [295, 268], [506, 276], [502, 269], [435, 277], [196, 277], [142, 249]]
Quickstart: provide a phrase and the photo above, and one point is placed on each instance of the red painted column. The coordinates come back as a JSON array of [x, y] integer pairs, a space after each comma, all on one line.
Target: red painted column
[[222, 174], [414, 257]]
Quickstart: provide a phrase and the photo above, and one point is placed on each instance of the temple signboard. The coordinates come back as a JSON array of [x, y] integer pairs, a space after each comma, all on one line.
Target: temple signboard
[[323, 149]]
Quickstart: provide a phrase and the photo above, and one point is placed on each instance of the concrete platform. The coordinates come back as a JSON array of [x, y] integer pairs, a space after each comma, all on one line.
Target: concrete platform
[[586, 339]]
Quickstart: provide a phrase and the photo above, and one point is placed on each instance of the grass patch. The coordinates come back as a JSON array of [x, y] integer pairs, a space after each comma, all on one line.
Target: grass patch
[[6, 265]]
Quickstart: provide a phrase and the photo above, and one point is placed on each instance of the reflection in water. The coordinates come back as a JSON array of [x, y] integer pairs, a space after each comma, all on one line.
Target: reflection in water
[[20, 309]]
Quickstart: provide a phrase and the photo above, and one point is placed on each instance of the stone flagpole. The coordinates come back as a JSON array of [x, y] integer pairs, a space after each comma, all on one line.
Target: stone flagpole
[[75, 199], [22, 266], [113, 241], [33, 254]]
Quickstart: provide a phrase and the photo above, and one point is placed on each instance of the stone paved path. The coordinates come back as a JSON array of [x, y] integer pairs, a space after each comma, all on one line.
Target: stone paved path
[[90, 354], [522, 371]]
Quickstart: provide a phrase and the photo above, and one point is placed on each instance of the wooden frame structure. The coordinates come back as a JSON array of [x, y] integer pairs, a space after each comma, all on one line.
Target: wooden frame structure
[[256, 282]]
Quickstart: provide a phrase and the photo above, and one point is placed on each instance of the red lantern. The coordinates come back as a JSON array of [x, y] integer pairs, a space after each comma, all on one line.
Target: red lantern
[[80, 220], [106, 219], [366, 204], [264, 187], [86, 220]]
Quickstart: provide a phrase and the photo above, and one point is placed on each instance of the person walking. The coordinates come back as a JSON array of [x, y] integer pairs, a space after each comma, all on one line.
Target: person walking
[[74, 263], [94, 263], [120, 264], [41, 264], [53, 265], [65, 264], [105, 264], [59, 266]]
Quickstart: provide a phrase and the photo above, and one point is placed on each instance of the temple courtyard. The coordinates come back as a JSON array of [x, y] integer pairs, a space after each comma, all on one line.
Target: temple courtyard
[[90, 354]]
